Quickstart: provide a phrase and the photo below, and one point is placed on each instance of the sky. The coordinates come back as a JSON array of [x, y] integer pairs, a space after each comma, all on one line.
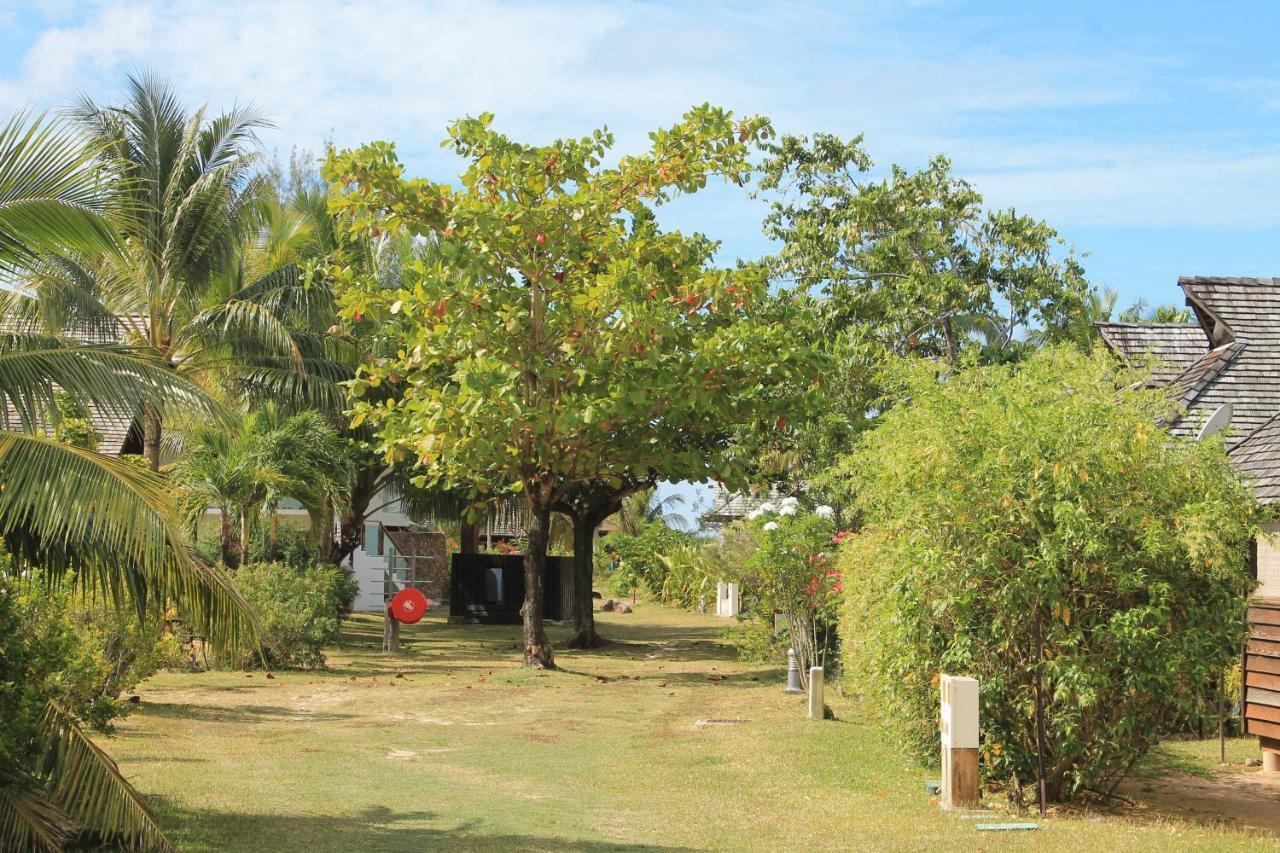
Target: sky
[[1145, 133]]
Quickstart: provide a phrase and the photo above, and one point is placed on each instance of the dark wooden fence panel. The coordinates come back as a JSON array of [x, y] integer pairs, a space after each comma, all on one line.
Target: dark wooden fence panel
[[477, 594]]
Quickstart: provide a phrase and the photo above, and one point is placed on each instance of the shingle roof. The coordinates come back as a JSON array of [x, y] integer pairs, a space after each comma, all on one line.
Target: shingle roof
[[113, 429], [1245, 314], [1239, 325], [728, 507], [1257, 457], [1166, 349]]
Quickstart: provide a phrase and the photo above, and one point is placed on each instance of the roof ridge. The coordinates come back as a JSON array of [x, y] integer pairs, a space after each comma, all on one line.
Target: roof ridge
[[1224, 355], [1128, 325], [1259, 281]]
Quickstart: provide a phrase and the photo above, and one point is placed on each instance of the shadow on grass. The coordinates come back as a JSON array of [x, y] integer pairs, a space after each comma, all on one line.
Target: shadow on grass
[[376, 828], [434, 647], [235, 714]]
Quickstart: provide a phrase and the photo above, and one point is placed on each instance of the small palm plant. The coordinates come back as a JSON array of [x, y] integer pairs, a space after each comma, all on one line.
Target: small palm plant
[[252, 466]]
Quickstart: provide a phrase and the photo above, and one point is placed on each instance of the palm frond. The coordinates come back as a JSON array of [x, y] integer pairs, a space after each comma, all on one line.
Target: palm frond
[[88, 786], [111, 522], [111, 378], [29, 819], [50, 192], [58, 292], [247, 327]]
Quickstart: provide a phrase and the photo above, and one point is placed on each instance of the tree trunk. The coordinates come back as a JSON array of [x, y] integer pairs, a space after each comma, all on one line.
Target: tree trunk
[[800, 627], [351, 524], [152, 428], [227, 540], [244, 533], [468, 538], [579, 605], [274, 539], [953, 345], [537, 651]]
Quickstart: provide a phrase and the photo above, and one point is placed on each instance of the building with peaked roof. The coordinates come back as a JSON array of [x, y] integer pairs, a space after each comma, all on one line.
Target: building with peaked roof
[[1231, 354], [728, 507]]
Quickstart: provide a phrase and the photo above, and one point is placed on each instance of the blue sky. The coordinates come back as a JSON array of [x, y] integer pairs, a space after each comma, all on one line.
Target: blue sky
[[1146, 133]]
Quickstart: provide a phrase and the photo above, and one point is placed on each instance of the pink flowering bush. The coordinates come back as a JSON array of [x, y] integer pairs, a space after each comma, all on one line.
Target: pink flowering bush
[[792, 572]]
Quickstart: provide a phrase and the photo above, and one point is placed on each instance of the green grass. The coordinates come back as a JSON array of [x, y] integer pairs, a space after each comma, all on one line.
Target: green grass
[[468, 751]]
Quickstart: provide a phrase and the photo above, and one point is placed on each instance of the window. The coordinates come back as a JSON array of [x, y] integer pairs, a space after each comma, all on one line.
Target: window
[[493, 585], [373, 538]]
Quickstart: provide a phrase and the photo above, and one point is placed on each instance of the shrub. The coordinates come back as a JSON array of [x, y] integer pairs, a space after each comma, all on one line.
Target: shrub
[[81, 654], [790, 572], [755, 638], [294, 547], [1034, 518], [649, 557], [301, 610]]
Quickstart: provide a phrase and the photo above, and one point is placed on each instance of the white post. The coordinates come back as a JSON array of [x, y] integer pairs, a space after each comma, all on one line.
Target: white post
[[815, 693], [959, 730], [727, 601]]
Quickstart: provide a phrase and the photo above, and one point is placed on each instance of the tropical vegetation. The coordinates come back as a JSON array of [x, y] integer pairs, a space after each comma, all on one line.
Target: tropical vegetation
[[196, 336], [1033, 527]]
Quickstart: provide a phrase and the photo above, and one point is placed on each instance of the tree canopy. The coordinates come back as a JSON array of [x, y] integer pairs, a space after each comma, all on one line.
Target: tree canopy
[[556, 336]]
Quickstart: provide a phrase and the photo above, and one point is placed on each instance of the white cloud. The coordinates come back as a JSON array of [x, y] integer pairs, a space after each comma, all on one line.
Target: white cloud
[[402, 70]]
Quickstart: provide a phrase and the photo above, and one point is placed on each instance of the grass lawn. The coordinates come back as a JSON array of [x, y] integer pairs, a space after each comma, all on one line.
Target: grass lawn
[[468, 751]]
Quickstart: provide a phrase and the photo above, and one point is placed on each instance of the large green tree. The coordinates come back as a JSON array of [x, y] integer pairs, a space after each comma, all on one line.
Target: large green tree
[[904, 263], [557, 337]]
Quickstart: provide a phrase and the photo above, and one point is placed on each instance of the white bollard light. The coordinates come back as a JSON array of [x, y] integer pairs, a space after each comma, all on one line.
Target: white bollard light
[[815, 693], [959, 728], [793, 673]]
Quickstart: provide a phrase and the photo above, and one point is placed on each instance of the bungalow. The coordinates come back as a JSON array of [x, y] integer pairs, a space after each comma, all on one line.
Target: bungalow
[[1228, 361]]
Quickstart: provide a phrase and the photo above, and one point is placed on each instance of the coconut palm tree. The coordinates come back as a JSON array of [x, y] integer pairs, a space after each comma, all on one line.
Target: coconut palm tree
[[186, 195], [645, 507], [71, 515]]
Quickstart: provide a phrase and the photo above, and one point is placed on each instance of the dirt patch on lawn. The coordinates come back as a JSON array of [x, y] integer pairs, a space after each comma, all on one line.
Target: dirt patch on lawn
[[1229, 796]]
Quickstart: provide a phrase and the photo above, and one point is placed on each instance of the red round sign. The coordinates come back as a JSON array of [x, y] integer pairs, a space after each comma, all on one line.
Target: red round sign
[[409, 605]]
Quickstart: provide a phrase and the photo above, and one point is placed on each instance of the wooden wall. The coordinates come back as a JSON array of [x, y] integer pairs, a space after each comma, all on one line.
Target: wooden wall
[[1262, 672]]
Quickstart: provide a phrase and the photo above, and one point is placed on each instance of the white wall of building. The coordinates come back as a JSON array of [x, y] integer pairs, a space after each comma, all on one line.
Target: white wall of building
[[368, 568], [1269, 562]]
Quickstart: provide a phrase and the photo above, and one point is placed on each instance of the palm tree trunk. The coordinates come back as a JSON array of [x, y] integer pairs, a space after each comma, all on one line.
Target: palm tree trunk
[[152, 428], [537, 650], [227, 539], [274, 540], [244, 533]]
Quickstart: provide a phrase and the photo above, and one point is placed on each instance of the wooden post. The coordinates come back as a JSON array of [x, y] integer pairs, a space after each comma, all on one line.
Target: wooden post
[[815, 693], [959, 729]]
